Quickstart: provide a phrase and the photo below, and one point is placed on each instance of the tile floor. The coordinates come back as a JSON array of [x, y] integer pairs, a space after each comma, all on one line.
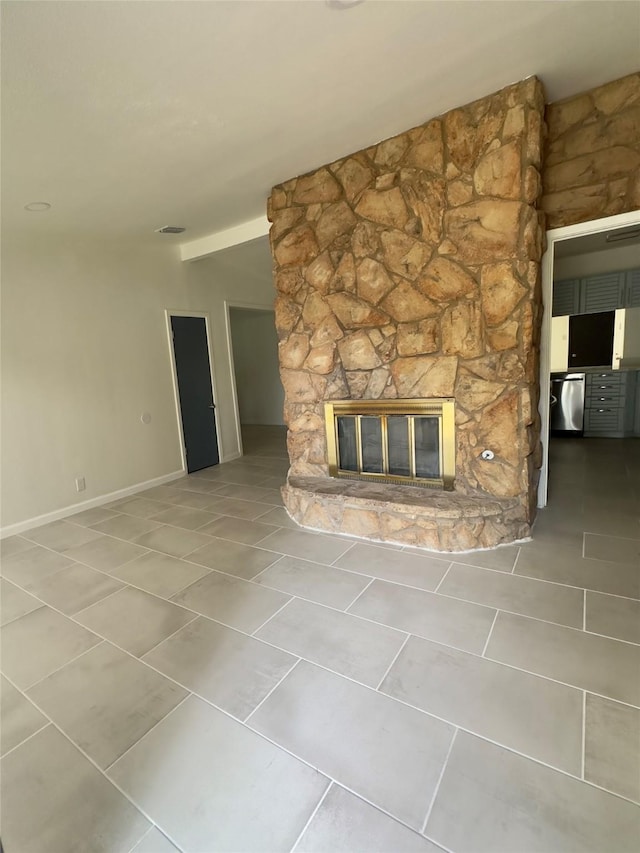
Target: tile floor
[[185, 669]]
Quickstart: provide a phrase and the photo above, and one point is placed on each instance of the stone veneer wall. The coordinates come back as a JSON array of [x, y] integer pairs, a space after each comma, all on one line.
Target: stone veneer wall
[[411, 269], [592, 159]]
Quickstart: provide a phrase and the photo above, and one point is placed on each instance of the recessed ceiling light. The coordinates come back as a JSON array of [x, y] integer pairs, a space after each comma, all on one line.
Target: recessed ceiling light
[[37, 206], [170, 229]]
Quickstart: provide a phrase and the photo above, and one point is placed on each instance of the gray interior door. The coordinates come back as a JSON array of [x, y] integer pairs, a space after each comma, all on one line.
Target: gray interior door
[[194, 389]]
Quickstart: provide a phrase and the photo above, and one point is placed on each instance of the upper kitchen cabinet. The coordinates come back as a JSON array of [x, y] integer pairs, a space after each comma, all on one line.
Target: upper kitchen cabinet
[[566, 297], [632, 289], [596, 293]]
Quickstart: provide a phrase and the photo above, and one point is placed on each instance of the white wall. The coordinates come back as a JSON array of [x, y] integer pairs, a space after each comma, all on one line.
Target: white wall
[[255, 358], [593, 263], [240, 275], [84, 353]]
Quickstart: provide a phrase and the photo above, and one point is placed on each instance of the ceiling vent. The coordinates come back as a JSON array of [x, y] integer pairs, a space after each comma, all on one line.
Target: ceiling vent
[[617, 236], [170, 229]]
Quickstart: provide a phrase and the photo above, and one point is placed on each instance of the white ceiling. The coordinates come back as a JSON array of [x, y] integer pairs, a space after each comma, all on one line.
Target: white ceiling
[[127, 116]]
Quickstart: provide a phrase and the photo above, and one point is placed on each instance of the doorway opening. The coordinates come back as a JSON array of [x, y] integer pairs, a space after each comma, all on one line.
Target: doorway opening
[[193, 389], [257, 388], [589, 268]]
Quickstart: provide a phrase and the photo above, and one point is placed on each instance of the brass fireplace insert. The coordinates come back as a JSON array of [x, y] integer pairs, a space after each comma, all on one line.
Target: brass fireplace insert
[[392, 441]]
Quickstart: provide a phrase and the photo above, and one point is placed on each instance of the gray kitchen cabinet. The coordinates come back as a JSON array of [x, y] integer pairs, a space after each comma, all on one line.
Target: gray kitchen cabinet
[[604, 292], [632, 289], [595, 293], [566, 297], [609, 407]]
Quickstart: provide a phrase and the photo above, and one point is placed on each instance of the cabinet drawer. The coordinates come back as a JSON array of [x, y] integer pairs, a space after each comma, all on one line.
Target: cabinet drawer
[[610, 377], [604, 419], [605, 399]]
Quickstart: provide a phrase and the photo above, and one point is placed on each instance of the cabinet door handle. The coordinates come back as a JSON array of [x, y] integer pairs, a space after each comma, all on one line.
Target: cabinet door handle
[[604, 410]]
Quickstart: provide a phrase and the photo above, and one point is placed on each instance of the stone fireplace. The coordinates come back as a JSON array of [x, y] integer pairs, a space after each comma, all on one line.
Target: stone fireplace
[[407, 272]]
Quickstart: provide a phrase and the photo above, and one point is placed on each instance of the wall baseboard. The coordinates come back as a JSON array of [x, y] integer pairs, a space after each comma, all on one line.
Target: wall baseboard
[[73, 509]]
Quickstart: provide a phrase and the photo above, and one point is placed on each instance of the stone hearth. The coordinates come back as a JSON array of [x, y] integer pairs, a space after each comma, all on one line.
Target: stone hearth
[[411, 269]]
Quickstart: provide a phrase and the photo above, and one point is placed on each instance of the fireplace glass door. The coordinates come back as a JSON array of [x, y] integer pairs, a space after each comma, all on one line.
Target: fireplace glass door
[[401, 441]]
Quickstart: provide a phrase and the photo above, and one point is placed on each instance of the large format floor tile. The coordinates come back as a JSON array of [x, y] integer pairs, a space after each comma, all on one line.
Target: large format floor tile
[[613, 616], [172, 540], [324, 584], [598, 664], [551, 602], [346, 824], [233, 671], [426, 614], [500, 559], [54, 799], [491, 800], [190, 518], [354, 647], [565, 566], [33, 565], [211, 784], [19, 718], [39, 642], [238, 529], [127, 527], [529, 714], [615, 548], [14, 545], [612, 746], [159, 574], [309, 546], [116, 700], [106, 553], [15, 602], [233, 558], [155, 842], [134, 620], [238, 508], [400, 567], [390, 754], [231, 600], [74, 588], [62, 535]]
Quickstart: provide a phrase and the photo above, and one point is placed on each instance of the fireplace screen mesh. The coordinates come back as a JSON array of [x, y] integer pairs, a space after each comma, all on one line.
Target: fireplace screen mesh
[[398, 441]]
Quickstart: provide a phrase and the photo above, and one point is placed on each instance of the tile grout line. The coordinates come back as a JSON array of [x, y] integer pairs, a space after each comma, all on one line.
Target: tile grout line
[[149, 730], [100, 600], [313, 814], [441, 581], [489, 636], [515, 562], [584, 733], [46, 723], [266, 696], [170, 636], [261, 572], [279, 610], [58, 668], [584, 611], [347, 609], [395, 658], [85, 755], [437, 787], [266, 642]]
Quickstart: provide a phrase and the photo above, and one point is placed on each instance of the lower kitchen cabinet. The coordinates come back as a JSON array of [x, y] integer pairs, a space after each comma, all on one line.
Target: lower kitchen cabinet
[[610, 404]]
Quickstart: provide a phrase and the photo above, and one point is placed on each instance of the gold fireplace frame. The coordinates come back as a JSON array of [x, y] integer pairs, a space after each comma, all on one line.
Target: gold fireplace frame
[[442, 408]]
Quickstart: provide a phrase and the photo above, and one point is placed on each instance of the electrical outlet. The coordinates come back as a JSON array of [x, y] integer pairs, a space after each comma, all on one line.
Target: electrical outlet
[[80, 484]]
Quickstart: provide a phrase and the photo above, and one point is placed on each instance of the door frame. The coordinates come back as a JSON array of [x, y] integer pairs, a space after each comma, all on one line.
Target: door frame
[[169, 313], [557, 235], [249, 306]]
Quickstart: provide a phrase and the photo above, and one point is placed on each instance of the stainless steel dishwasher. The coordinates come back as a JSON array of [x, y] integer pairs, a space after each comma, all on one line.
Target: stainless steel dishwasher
[[567, 403]]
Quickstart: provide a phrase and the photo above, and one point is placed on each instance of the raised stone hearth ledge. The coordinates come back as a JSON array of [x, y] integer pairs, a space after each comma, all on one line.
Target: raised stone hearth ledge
[[384, 512]]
